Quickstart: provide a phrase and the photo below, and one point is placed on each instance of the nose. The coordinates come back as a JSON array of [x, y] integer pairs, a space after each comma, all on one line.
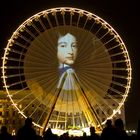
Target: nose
[[69, 50]]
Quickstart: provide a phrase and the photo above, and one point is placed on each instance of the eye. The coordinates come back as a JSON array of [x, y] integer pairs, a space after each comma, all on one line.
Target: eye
[[74, 45], [62, 45]]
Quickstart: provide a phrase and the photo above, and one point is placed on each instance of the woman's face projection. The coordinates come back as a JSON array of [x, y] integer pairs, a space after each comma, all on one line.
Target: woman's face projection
[[67, 49]]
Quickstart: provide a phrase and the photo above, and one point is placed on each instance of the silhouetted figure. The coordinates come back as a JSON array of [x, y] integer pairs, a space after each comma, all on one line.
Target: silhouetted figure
[[93, 135], [48, 135], [109, 132], [121, 133], [4, 135], [84, 137], [26, 132], [64, 136]]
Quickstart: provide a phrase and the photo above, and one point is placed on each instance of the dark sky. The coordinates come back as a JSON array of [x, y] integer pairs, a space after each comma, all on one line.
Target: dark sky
[[122, 15]]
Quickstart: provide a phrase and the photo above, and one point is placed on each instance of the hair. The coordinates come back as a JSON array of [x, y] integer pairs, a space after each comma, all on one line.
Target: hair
[[109, 122], [119, 123], [3, 129], [28, 121]]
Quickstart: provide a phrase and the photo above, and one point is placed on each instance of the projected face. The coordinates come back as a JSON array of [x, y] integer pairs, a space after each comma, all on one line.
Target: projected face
[[67, 49]]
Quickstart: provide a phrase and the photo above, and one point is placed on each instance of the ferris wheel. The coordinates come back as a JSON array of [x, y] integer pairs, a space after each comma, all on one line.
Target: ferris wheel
[[91, 91]]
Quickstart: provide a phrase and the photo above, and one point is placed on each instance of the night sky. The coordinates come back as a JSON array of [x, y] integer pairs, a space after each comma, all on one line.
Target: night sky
[[122, 15]]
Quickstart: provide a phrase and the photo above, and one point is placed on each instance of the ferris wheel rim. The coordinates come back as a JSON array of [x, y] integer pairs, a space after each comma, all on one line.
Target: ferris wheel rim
[[51, 10]]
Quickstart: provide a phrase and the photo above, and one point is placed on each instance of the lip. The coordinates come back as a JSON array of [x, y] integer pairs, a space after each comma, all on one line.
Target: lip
[[71, 58]]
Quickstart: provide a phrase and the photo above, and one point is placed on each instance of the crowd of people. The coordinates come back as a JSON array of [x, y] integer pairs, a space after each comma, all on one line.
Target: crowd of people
[[111, 131]]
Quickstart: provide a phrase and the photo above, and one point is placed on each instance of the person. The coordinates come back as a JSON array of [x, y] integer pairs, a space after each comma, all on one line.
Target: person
[[26, 132], [121, 133], [109, 132], [66, 52], [93, 135], [4, 135], [48, 135], [84, 137]]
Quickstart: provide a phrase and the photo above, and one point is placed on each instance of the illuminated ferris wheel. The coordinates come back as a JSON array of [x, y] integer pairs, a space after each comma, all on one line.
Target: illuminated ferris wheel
[[89, 93]]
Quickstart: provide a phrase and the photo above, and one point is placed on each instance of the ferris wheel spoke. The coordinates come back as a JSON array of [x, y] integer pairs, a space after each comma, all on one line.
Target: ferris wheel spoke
[[119, 45], [82, 49], [94, 86], [16, 83], [84, 42], [28, 95], [35, 110], [88, 18], [101, 65], [14, 67], [106, 33], [15, 59], [105, 103], [91, 109], [97, 73], [15, 93], [16, 35], [20, 44], [44, 86], [15, 75], [16, 52], [38, 41], [120, 76], [25, 28], [114, 99], [73, 119], [100, 99], [98, 90], [46, 97], [50, 99], [101, 109], [80, 110], [79, 17], [97, 82], [103, 58], [92, 60], [99, 29], [26, 107], [38, 53], [56, 20], [63, 16], [115, 37], [41, 116], [34, 26], [39, 76], [57, 120], [58, 117], [38, 57], [32, 63], [41, 22], [47, 17], [105, 80], [117, 93], [90, 29]]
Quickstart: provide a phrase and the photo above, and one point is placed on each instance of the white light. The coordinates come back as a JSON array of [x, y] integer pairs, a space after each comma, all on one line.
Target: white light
[[9, 95], [14, 104], [3, 76], [133, 131], [119, 112]]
